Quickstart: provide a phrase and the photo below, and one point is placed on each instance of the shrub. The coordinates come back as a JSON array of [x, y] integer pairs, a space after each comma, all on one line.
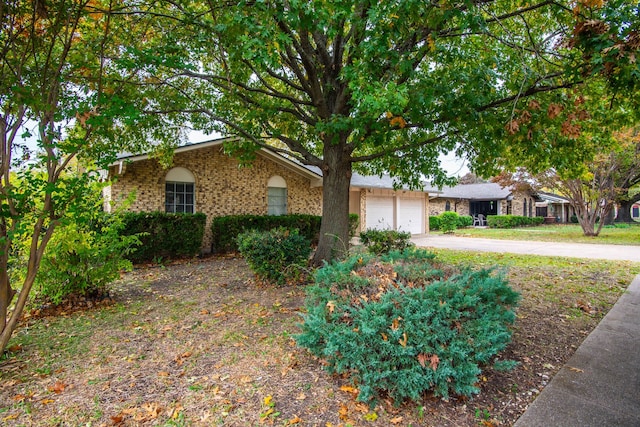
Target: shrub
[[226, 229], [448, 222], [383, 241], [83, 262], [465, 221], [165, 235], [276, 256], [397, 325], [511, 221], [434, 222]]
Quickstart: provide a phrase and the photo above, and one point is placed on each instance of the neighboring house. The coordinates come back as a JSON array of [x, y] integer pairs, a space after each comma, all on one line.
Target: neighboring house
[[487, 198], [554, 206], [204, 179]]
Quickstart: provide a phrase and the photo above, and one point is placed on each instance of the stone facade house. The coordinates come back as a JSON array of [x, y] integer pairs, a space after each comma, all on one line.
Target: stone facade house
[[204, 179], [487, 198]]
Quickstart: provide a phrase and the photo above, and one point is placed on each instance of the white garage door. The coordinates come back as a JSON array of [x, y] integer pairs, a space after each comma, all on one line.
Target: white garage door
[[411, 215], [380, 213]]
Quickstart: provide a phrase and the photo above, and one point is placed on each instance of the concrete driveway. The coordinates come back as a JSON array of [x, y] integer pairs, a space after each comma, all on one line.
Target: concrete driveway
[[575, 250]]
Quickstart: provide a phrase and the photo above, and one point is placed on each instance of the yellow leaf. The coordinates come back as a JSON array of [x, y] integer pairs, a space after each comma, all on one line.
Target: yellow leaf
[[295, 420], [371, 416], [396, 420], [268, 400], [47, 401], [403, 340], [331, 305], [349, 389]]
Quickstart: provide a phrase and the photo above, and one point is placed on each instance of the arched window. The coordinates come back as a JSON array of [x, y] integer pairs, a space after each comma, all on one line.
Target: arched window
[[524, 210], [179, 191], [447, 206], [276, 196], [530, 207]]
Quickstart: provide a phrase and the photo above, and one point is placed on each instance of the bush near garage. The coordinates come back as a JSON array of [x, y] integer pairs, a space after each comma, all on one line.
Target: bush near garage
[[384, 241], [400, 325], [462, 221]]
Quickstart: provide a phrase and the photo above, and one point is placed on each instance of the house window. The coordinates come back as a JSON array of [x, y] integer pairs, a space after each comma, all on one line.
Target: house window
[[179, 191], [530, 207], [276, 196], [524, 209], [447, 206]]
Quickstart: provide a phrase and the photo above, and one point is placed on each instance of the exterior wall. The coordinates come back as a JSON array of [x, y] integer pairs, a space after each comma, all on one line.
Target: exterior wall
[[438, 206], [517, 205], [221, 186]]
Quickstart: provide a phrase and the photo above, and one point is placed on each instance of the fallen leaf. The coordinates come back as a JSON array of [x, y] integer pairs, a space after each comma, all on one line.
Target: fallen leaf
[[331, 305], [343, 412], [396, 420], [163, 374], [349, 389], [371, 416], [422, 359], [571, 368], [58, 387], [295, 420], [434, 360], [403, 340], [47, 401], [301, 396]]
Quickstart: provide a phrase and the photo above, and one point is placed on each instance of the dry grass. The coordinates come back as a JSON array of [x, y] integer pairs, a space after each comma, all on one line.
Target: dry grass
[[201, 344]]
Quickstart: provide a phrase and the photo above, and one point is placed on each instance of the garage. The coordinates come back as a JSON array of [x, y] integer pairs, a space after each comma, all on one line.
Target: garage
[[380, 213], [397, 213], [411, 215]]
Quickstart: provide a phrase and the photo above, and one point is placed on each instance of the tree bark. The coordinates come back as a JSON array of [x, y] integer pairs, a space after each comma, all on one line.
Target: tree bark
[[624, 210], [334, 229]]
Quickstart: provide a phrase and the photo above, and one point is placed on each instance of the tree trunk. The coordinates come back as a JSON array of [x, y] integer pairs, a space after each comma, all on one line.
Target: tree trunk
[[624, 210], [334, 230]]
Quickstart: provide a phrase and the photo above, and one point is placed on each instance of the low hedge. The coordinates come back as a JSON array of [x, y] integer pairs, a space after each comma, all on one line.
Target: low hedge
[[226, 229], [164, 235], [435, 221], [512, 221]]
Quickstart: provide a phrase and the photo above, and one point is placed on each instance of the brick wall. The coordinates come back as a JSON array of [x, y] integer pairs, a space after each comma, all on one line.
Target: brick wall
[[438, 206], [221, 186]]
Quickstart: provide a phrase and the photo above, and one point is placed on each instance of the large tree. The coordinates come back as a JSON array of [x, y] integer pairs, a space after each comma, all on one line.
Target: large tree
[[61, 99], [380, 86]]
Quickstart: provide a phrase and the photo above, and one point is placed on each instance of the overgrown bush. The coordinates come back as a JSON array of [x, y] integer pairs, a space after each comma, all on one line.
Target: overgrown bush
[[165, 235], [277, 256], [511, 221], [397, 325], [82, 259], [448, 222], [383, 241]]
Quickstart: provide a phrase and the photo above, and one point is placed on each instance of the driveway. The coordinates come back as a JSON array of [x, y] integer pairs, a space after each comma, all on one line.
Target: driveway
[[576, 250]]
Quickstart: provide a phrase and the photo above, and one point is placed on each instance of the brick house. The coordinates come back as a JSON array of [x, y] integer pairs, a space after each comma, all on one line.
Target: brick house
[[204, 179]]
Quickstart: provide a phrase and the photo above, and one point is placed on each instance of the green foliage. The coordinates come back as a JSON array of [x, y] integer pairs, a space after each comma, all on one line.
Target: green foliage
[[465, 221], [226, 229], [448, 222], [511, 221], [397, 325], [164, 235], [434, 222], [83, 260], [354, 222], [384, 241], [276, 256], [462, 221]]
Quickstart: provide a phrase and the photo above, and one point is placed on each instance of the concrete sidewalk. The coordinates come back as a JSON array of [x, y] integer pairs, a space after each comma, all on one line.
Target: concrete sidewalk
[[600, 384], [576, 250]]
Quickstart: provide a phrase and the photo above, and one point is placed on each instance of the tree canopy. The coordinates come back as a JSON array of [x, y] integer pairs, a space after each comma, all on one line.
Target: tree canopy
[[387, 86]]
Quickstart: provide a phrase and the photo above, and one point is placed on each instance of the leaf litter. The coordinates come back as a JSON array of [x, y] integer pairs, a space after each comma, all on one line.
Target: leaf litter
[[200, 343]]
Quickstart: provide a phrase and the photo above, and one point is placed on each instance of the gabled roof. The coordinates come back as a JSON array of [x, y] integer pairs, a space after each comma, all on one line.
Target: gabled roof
[[551, 198], [312, 172], [477, 192], [315, 177]]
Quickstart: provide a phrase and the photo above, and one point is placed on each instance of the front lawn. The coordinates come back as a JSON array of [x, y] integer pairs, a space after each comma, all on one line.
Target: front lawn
[[201, 344], [625, 234]]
